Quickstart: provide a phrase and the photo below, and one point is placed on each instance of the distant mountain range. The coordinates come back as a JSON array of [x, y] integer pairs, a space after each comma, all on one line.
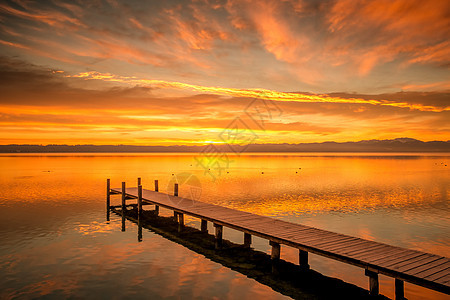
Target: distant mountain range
[[394, 145]]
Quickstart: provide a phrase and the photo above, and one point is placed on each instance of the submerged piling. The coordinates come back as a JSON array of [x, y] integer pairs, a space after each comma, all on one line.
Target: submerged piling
[[108, 197]]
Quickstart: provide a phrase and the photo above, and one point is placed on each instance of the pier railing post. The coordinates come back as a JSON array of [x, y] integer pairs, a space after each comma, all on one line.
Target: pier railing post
[[123, 206], [204, 226], [139, 211], [139, 201], [374, 287], [275, 256], [108, 197], [123, 196], [247, 240], [175, 193], [156, 190], [139, 181], [218, 235], [399, 289], [303, 259]]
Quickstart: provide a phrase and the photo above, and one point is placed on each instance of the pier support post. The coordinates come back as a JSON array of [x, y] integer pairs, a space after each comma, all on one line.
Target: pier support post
[[175, 216], [175, 190], [247, 240], [139, 211], [399, 289], [275, 256], [303, 259], [123, 197], [156, 190], [108, 197], [139, 201], [204, 226], [219, 234], [180, 222], [374, 287]]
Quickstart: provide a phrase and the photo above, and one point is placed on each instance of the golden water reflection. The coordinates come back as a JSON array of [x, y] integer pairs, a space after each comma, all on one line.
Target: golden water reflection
[[52, 217]]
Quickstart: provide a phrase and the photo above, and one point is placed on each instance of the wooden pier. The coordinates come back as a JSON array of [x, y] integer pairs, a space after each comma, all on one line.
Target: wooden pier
[[405, 265]]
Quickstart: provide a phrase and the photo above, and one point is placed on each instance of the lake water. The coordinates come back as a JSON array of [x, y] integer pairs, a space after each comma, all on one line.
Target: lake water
[[56, 242]]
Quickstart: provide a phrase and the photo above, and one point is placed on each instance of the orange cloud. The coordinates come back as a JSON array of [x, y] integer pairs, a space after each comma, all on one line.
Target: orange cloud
[[15, 45], [52, 18], [384, 30], [254, 93], [339, 45]]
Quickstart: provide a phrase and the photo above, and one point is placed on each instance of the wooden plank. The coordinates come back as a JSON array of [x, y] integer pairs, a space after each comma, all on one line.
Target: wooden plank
[[252, 223], [285, 231], [364, 245], [403, 259], [315, 238], [432, 271], [413, 261], [444, 280], [236, 217], [333, 241], [361, 253], [286, 234], [345, 246], [375, 253], [329, 240], [310, 235], [438, 275], [329, 245], [394, 252], [337, 244], [273, 229], [439, 264], [243, 218], [385, 260], [290, 231], [402, 267], [308, 232]]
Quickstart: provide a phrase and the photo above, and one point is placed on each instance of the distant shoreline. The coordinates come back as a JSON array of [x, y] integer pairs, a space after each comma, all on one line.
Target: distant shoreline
[[400, 145]]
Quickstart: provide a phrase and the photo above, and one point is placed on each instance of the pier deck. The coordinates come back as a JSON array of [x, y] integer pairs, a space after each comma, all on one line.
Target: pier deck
[[405, 265]]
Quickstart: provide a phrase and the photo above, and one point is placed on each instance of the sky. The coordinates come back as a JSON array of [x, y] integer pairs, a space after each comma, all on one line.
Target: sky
[[198, 72]]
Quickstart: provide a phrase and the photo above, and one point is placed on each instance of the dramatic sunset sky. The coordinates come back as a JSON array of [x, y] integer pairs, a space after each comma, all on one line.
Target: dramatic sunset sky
[[182, 72]]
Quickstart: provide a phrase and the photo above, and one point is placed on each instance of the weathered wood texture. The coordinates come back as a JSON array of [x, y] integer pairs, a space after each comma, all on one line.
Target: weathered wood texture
[[424, 269]]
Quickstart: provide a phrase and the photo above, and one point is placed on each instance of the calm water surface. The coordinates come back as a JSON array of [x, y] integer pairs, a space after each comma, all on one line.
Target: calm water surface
[[56, 243]]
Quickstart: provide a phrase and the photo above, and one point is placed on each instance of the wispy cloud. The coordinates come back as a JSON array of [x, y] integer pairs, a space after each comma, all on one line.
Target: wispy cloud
[[319, 46], [254, 93]]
